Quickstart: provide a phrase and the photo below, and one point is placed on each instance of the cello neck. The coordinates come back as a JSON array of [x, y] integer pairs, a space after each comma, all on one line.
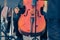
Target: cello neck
[[34, 2]]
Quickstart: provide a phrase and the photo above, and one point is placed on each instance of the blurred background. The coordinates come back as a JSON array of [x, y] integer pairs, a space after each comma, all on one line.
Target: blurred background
[[11, 35]]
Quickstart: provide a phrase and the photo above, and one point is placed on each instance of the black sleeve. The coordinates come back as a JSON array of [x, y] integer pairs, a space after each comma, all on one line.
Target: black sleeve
[[43, 13], [41, 10], [22, 10]]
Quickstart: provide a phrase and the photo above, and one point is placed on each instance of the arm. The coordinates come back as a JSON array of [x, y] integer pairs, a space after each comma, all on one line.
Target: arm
[[22, 10]]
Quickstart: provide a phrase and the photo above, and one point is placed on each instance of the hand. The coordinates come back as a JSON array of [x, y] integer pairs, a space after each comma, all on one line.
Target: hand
[[16, 10]]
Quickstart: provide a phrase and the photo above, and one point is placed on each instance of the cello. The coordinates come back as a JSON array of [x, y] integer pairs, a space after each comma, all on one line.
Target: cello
[[32, 21]]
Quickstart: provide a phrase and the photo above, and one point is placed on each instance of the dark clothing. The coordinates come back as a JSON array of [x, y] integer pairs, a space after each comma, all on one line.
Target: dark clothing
[[9, 15], [44, 36], [15, 20], [53, 17], [0, 15], [42, 12], [8, 24], [19, 36], [16, 16], [0, 12], [53, 9], [53, 28]]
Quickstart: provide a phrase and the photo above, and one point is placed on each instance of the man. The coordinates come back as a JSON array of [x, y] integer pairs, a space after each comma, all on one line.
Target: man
[[53, 17], [17, 13], [9, 15]]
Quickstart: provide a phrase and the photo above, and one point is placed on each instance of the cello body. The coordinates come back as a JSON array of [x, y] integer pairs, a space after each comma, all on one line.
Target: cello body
[[32, 18]]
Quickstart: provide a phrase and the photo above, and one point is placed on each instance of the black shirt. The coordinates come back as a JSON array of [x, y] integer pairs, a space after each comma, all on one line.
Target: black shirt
[[16, 16]]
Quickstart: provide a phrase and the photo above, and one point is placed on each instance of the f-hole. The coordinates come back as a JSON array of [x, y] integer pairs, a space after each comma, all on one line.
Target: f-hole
[[27, 12]]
